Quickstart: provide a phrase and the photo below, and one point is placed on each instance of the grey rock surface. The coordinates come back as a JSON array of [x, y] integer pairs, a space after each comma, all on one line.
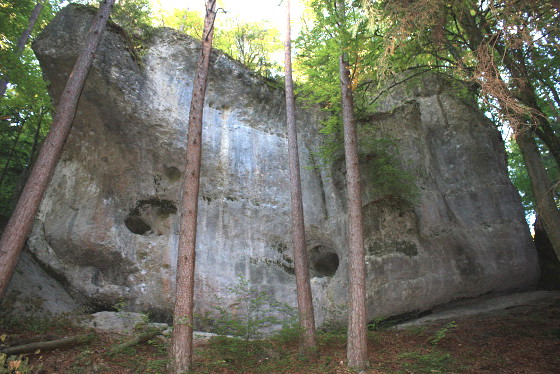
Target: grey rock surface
[[108, 223], [126, 323], [33, 292], [117, 322], [485, 305]]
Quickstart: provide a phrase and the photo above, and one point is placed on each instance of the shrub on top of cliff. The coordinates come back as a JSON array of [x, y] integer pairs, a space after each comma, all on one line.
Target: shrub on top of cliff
[[383, 167], [380, 162]]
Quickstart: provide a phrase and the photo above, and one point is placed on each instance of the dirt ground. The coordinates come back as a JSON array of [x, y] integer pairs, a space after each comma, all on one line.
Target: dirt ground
[[520, 338]]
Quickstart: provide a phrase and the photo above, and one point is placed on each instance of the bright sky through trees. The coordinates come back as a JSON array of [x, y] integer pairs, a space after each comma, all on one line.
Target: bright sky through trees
[[272, 11]]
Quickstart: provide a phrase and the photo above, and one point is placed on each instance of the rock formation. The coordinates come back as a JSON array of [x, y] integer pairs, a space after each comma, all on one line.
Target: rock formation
[[107, 227]]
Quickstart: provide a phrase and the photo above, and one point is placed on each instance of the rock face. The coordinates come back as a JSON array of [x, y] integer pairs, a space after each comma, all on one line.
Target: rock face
[[107, 226]]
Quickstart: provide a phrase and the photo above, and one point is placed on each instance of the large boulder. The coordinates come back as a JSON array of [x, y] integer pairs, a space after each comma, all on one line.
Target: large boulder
[[107, 227]]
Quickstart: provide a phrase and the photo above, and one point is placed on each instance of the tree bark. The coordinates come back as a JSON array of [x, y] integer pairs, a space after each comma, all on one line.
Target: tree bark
[[357, 322], [182, 340], [541, 185], [23, 41], [301, 263], [21, 221], [542, 188]]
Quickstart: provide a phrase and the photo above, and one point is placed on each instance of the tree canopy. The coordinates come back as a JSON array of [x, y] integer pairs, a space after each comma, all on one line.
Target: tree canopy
[[504, 52]]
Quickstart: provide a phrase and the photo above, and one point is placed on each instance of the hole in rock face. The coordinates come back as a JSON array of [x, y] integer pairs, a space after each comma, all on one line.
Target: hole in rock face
[[136, 225], [172, 173], [323, 261], [150, 216]]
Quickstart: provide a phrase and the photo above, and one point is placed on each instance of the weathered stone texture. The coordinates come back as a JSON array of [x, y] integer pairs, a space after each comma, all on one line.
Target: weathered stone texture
[[108, 224]]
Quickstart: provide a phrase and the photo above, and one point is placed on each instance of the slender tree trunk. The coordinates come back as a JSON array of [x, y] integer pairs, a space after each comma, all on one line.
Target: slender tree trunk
[[304, 296], [545, 133], [36, 137], [357, 319], [5, 171], [542, 188], [22, 41], [514, 61], [182, 340], [21, 221]]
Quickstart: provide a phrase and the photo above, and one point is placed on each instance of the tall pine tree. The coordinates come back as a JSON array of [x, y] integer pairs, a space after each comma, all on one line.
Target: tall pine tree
[[181, 351], [301, 263]]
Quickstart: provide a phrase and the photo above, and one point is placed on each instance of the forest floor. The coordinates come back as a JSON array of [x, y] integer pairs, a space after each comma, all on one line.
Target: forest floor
[[524, 338]]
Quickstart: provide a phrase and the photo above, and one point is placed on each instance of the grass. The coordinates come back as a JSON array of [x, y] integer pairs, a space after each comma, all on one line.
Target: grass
[[431, 362], [489, 344]]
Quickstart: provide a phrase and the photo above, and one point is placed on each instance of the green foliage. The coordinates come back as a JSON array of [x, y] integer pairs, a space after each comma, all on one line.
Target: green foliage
[[157, 366], [506, 52], [158, 345], [380, 156], [224, 352], [132, 15], [252, 43], [21, 69], [442, 333], [251, 314], [432, 362], [319, 48], [520, 178], [25, 111], [376, 323], [187, 21]]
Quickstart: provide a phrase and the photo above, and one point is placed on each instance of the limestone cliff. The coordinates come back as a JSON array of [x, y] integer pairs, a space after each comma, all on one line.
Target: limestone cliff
[[107, 227]]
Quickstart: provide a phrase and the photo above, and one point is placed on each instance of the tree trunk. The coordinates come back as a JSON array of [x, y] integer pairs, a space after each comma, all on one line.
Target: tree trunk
[[21, 221], [182, 340], [525, 92], [23, 41], [357, 320], [301, 263], [542, 188], [49, 345], [36, 137]]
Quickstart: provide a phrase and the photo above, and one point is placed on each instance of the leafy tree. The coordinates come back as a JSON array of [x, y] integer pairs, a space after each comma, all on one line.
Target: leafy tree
[[338, 35], [317, 60], [188, 21], [23, 128], [15, 58], [252, 43], [25, 110], [22, 41], [508, 51], [21, 221], [132, 15]]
